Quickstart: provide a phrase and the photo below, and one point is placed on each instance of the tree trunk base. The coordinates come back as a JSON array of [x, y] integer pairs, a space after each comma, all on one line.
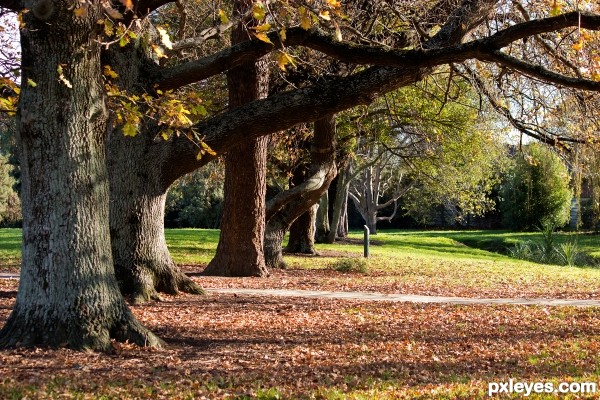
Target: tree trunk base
[[144, 283], [23, 331], [220, 266]]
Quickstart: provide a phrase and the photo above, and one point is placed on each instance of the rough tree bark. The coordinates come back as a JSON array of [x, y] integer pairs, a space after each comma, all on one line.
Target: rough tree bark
[[240, 248], [68, 294], [302, 230], [302, 233], [340, 202], [142, 261], [138, 190], [286, 207]]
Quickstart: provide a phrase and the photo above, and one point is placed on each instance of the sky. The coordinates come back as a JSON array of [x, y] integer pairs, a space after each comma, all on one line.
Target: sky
[[9, 45]]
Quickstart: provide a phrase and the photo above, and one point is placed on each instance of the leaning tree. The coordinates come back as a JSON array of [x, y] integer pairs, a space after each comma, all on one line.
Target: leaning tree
[[68, 294]]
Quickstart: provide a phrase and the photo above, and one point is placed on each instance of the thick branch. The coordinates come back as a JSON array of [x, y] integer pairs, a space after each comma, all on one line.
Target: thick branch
[[207, 34], [539, 72], [483, 49]]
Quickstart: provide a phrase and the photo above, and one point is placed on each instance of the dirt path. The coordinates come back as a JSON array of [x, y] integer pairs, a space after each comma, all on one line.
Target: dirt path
[[403, 297], [409, 298]]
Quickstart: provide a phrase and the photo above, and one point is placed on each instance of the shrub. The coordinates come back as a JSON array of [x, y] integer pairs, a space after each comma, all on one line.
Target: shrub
[[548, 252], [10, 204], [350, 265], [536, 191]]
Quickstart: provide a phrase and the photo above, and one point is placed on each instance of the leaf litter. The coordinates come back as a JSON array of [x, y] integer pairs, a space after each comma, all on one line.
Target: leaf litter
[[237, 346]]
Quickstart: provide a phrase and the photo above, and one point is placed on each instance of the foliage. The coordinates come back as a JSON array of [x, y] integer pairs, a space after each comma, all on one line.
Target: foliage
[[10, 205], [548, 251], [463, 159], [536, 190], [350, 264], [196, 200]]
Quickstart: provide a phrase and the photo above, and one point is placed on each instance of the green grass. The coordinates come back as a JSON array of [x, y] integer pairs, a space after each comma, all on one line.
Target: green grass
[[450, 262], [10, 246]]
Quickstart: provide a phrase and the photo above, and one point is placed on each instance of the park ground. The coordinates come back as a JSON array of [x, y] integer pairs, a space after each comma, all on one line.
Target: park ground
[[241, 346]]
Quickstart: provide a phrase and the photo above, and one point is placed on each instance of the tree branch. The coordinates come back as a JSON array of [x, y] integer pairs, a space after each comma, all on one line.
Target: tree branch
[[539, 72], [483, 49]]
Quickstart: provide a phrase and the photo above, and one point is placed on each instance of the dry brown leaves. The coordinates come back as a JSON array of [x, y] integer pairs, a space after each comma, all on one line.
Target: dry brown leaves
[[386, 282], [221, 346]]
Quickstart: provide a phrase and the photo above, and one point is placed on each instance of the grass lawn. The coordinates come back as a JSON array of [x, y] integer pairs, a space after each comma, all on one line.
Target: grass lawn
[[453, 263], [241, 347]]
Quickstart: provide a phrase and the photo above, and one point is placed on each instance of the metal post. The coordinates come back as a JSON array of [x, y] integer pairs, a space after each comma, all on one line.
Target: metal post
[[366, 241]]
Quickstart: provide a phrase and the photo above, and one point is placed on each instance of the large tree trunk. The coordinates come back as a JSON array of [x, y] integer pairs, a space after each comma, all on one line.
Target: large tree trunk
[[343, 224], [340, 202], [142, 262], [138, 189], [240, 248], [286, 207], [302, 233], [68, 294]]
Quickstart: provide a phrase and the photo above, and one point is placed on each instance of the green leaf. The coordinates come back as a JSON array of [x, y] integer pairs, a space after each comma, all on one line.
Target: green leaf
[[130, 129]]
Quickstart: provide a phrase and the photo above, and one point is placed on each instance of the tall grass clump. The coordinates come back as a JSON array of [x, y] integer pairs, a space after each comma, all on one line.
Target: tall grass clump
[[547, 251]]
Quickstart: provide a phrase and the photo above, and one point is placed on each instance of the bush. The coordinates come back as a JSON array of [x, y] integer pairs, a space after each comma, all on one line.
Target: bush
[[350, 265], [196, 201], [548, 252], [10, 204], [536, 191]]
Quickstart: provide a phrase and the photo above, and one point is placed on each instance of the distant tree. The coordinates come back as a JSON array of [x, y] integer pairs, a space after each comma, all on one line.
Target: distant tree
[[536, 191], [10, 205], [196, 200], [428, 145]]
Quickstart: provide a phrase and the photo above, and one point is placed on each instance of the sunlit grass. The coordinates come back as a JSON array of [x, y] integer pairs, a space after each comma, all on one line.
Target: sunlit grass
[[433, 260]]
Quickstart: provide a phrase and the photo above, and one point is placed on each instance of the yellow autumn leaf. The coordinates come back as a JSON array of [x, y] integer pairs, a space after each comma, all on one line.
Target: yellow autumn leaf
[[263, 28], [578, 46], [127, 3], [61, 76], [282, 34], [31, 83], [108, 28], [334, 3], [159, 51], [305, 20], [108, 71], [207, 149], [20, 17], [555, 8], [259, 11], [129, 129], [325, 15], [283, 60], [338, 33], [80, 11], [263, 37], [223, 17]]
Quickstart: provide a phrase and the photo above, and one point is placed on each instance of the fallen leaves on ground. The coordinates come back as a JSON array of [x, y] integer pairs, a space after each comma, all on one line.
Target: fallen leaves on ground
[[228, 346], [391, 283]]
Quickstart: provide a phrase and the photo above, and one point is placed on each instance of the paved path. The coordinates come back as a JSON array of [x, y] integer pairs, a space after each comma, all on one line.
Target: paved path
[[403, 297], [409, 298]]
